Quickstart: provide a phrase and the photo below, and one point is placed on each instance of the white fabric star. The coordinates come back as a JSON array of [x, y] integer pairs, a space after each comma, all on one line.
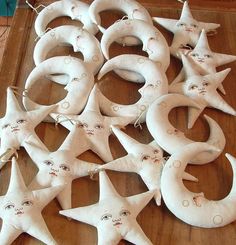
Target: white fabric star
[[114, 216], [186, 30], [17, 125], [205, 61], [203, 90], [94, 128], [20, 210], [144, 159], [60, 167]]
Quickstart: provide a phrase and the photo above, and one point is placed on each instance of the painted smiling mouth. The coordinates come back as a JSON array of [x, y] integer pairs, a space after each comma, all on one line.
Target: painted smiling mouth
[[202, 92], [53, 174], [156, 160], [90, 133], [15, 129], [117, 223], [201, 61], [188, 30], [19, 213]]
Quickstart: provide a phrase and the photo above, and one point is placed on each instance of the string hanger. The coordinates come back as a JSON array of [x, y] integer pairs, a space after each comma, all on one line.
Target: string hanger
[[35, 9]]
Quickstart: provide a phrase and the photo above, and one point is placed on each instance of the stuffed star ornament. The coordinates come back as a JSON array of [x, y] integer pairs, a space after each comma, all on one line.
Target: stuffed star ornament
[[186, 30], [20, 210], [60, 167], [94, 127], [203, 90], [17, 125], [114, 216], [205, 60], [144, 159]]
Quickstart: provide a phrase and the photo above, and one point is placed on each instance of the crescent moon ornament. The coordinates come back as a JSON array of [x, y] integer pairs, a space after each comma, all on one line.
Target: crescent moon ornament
[[81, 40], [80, 83], [186, 30], [203, 90], [153, 41], [156, 85], [131, 8], [144, 159], [205, 60], [171, 139], [194, 208], [74, 9]]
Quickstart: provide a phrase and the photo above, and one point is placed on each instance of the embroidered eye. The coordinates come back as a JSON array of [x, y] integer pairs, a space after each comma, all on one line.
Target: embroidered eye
[[192, 87], [145, 157], [106, 217], [194, 55], [99, 126], [75, 79], [6, 126], [82, 125], [27, 203], [194, 25], [156, 151], [205, 84], [181, 24], [9, 206], [72, 8], [207, 56], [151, 85], [21, 121], [64, 167], [48, 163], [124, 213]]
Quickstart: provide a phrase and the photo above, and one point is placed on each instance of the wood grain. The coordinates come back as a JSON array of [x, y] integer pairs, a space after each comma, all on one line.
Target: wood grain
[[215, 179]]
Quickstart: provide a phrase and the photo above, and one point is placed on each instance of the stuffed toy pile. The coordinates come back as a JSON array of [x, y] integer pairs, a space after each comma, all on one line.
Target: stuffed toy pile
[[90, 118]]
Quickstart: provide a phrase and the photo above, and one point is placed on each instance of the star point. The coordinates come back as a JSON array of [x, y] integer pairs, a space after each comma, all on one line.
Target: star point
[[113, 213], [94, 128], [20, 209]]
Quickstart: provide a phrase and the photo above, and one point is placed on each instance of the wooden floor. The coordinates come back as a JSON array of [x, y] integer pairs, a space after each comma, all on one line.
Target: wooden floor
[[215, 179]]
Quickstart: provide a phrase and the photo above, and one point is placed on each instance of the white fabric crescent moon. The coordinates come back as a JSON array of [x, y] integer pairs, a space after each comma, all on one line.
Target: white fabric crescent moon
[[80, 83], [81, 40], [156, 85], [76, 10], [194, 208], [153, 41], [170, 138], [131, 8]]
